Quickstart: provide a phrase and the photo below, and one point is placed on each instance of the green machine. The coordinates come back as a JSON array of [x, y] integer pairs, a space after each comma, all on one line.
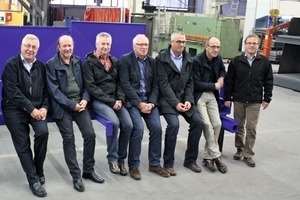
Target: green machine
[[198, 29]]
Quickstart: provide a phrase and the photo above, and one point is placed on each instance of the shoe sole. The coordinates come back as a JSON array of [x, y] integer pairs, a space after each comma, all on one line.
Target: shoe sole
[[196, 171], [162, 175], [237, 158]]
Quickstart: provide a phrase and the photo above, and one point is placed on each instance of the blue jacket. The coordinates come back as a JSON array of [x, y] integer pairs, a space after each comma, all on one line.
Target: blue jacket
[[57, 85], [201, 71]]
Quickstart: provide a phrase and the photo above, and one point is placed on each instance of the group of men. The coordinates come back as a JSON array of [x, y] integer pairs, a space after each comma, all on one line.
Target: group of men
[[127, 91]]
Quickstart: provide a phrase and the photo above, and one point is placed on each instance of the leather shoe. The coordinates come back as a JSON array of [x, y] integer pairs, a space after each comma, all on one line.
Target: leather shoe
[[209, 164], [78, 185], [42, 180], [171, 171], [220, 165], [93, 177], [250, 162], [159, 170], [123, 170], [114, 168], [238, 155], [194, 167], [37, 189], [135, 174]]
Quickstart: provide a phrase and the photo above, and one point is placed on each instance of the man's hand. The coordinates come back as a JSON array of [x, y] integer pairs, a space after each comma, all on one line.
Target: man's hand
[[180, 107], [43, 113], [81, 106], [264, 105], [118, 105], [227, 104]]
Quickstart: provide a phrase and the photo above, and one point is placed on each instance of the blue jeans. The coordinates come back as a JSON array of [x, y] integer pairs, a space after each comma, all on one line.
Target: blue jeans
[[152, 121], [117, 150], [84, 123], [194, 135]]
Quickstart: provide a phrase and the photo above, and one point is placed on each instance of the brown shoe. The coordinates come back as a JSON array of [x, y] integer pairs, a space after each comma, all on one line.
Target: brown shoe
[[238, 155], [135, 174], [171, 171], [159, 170], [194, 167], [220, 165], [250, 162]]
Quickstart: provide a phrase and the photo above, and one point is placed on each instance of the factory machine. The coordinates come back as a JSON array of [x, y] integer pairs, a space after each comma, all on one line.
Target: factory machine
[[199, 28]]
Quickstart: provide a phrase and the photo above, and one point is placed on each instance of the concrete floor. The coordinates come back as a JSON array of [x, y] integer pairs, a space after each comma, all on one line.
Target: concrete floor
[[276, 176]]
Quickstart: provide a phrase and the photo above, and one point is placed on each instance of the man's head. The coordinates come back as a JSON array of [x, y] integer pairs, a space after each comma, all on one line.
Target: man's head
[[252, 42], [65, 46], [140, 45], [29, 47], [212, 47], [178, 41], [103, 43]]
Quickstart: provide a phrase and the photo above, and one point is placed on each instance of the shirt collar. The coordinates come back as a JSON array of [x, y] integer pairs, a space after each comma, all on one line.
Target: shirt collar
[[247, 57], [23, 60], [138, 58], [173, 55]]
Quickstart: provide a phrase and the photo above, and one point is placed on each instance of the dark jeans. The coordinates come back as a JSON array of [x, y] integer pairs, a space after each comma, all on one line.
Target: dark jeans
[[194, 135], [117, 149], [17, 122], [65, 126], [152, 121]]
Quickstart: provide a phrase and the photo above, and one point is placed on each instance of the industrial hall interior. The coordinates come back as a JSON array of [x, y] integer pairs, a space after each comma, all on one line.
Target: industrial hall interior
[[228, 29]]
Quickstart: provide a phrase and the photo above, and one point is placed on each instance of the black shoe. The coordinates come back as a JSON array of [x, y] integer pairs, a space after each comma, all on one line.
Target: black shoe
[[114, 168], [93, 177], [78, 185], [123, 170], [220, 165], [37, 189], [194, 167], [42, 180], [209, 164]]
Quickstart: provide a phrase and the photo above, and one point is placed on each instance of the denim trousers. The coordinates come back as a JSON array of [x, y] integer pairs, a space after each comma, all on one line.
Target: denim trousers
[[195, 131], [207, 107], [17, 122], [247, 115], [116, 148], [153, 124], [84, 123]]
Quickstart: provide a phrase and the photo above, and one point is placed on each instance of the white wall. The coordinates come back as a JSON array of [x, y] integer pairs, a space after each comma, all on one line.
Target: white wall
[[289, 8]]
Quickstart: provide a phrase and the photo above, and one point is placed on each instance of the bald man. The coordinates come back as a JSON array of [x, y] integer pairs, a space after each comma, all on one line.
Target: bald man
[[209, 73], [69, 99]]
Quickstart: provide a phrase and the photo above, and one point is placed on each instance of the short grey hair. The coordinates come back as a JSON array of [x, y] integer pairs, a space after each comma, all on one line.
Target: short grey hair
[[176, 33], [101, 35], [31, 37]]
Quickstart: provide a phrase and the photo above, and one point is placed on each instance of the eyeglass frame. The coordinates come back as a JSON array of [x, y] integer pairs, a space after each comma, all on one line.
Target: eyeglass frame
[[33, 47], [214, 47]]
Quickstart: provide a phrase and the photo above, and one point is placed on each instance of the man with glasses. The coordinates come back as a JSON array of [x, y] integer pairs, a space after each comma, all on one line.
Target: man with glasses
[[209, 73], [139, 82], [249, 85], [174, 66], [24, 103]]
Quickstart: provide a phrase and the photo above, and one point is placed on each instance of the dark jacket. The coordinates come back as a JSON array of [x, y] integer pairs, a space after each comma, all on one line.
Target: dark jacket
[[249, 84], [102, 85], [22, 90], [174, 86], [57, 84], [202, 69], [130, 76]]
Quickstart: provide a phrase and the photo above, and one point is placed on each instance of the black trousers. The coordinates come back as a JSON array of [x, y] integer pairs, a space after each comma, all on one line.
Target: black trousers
[[17, 122], [65, 126]]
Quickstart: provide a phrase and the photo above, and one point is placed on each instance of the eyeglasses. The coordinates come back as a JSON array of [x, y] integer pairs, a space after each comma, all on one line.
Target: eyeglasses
[[28, 46], [142, 44], [180, 41], [252, 43], [214, 47]]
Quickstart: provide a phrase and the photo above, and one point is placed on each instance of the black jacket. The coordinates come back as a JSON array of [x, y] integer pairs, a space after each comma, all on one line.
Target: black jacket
[[174, 86], [249, 84], [201, 70], [102, 85], [22, 90], [130, 76]]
